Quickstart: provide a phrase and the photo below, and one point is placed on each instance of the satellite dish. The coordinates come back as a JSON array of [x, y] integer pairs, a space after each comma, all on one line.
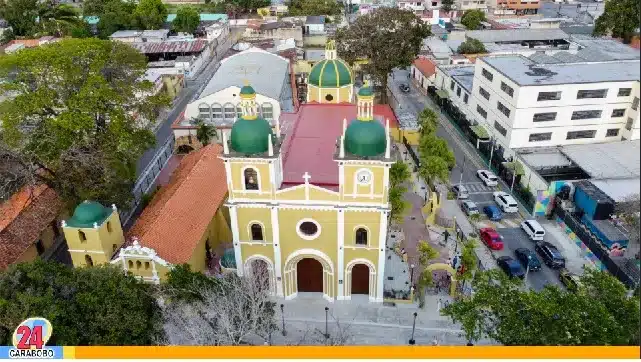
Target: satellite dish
[[241, 46]]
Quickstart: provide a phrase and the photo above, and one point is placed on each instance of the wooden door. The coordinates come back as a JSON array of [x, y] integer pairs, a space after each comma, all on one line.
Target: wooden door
[[309, 275], [360, 279]]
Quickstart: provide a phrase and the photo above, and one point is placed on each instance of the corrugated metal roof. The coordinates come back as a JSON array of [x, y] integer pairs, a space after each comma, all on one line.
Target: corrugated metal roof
[[515, 35], [542, 58], [185, 46]]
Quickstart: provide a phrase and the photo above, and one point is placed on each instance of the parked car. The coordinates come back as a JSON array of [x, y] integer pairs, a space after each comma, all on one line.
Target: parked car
[[469, 208], [491, 238], [533, 229], [404, 87], [488, 178], [493, 212], [528, 257], [511, 267], [552, 257], [460, 191], [505, 201], [570, 280]]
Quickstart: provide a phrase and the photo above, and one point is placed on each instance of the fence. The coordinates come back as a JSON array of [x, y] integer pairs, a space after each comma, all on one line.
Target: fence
[[411, 152], [148, 177], [627, 275]]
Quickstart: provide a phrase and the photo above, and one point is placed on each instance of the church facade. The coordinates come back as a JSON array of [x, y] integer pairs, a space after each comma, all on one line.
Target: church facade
[[310, 208]]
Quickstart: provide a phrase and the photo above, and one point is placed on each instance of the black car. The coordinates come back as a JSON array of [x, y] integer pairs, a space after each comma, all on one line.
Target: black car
[[527, 256], [552, 257], [511, 267], [404, 87]]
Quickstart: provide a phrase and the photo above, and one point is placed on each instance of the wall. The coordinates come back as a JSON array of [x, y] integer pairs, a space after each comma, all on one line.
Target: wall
[[230, 96], [339, 95], [100, 243]]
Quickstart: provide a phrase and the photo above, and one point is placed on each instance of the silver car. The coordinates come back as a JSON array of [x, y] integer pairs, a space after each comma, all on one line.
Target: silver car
[[469, 208], [460, 191]]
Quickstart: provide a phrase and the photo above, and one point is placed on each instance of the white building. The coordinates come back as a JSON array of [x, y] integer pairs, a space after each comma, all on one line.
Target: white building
[[523, 103]]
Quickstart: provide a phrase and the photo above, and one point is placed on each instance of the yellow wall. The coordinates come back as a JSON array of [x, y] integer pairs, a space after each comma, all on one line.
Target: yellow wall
[[100, 243], [411, 136], [249, 216], [30, 254], [368, 220], [265, 187], [363, 192], [339, 95]]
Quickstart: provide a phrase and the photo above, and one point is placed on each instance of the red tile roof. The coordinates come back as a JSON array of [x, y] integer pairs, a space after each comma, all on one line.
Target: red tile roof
[[311, 143], [176, 219], [183, 46], [425, 66], [23, 217]]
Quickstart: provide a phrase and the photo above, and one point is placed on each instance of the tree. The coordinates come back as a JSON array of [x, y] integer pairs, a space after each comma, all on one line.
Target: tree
[[205, 132], [315, 7], [468, 259], [79, 119], [427, 122], [230, 311], [117, 15], [599, 313], [627, 210], [82, 30], [446, 5], [433, 168], [619, 19], [471, 46], [21, 15], [87, 306], [399, 174], [150, 14], [58, 19], [472, 19], [187, 20], [248, 6], [387, 37], [96, 7], [398, 204], [426, 253]]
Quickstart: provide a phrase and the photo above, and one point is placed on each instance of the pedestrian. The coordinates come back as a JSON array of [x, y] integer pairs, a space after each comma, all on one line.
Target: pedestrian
[[438, 305], [435, 342]]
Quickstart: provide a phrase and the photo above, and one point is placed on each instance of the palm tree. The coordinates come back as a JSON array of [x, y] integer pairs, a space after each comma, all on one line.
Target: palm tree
[[205, 132], [399, 173], [57, 20]]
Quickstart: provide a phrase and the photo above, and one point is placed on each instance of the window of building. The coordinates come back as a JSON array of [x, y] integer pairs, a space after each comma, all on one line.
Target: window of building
[[257, 232], [544, 117], [629, 123], [575, 135], [268, 111], [329, 97], [618, 112], [503, 109], [452, 85], [82, 236], [538, 137], [635, 103], [481, 111], [586, 114], [361, 236], [204, 112], [466, 97], [591, 93], [507, 89], [109, 230], [114, 247], [138, 264], [239, 111], [88, 260], [230, 112], [500, 128], [308, 228], [130, 264], [251, 179], [147, 265], [458, 91], [216, 111], [488, 75], [612, 132], [40, 247], [549, 96], [624, 92], [484, 93]]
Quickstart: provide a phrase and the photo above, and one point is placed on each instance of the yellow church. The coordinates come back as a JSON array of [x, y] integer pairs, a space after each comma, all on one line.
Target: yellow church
[[305, 201]]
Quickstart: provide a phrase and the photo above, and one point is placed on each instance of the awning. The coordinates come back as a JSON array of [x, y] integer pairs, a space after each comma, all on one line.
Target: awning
[[480, 132], [442, 93]]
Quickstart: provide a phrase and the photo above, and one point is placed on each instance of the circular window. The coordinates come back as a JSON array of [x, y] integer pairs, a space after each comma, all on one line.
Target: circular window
[[329, 97], [308, 229]]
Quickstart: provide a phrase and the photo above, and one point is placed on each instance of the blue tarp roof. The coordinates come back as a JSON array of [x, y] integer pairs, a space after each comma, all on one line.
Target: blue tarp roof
[[92, 20]]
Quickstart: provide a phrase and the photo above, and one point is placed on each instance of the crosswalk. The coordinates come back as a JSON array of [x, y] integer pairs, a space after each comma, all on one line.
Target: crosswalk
[[503, 224], [477, 188]]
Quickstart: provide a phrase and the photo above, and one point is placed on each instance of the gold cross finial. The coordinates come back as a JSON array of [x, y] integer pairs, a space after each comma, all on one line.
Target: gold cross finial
[[246, 82], [366, 83]]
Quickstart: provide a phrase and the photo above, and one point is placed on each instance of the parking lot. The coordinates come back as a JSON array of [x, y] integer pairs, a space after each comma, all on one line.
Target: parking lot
[[482, 196]]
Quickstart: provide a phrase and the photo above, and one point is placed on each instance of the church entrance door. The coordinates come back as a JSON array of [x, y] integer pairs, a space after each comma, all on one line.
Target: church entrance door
[[309, 273], [360, 279]]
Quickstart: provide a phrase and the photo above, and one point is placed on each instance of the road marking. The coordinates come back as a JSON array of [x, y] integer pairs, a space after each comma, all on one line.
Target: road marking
[[373, 324], [511, 223]]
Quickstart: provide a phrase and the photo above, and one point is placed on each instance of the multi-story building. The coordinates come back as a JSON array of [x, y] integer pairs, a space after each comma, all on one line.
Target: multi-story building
[[471, 5], [523, 103], [518, 7]]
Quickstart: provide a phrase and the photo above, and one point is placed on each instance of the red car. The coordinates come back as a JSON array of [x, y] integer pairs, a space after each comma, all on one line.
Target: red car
[[491, 238]]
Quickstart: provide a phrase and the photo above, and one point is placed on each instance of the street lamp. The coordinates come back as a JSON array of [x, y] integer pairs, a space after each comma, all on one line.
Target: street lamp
[[282, 313], [326, 322], [412, 341], [411, 274]]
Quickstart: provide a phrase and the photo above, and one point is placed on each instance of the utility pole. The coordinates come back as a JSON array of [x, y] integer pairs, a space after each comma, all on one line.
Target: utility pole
[[460, 181], [513, 177], [491, 152]]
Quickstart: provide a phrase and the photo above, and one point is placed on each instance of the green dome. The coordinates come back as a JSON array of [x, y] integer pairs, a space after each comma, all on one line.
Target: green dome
[[249, 136], [365, 138], [88, 213], [330, 74], [247, 90], [366, 92]]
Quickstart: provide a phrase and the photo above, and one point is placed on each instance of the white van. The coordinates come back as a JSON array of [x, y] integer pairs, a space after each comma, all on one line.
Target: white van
[[533, 229], [505, 202]]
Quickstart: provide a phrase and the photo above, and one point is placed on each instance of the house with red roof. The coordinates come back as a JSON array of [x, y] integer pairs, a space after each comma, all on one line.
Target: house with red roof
[[423, 73]]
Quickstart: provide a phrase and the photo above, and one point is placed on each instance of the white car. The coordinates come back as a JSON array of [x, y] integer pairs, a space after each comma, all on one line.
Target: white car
[[505, 201], [488, 178]]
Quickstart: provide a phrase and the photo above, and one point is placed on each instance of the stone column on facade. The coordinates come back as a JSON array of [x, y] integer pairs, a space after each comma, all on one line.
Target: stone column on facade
[[278, 275], [340, 214], [380, 268], [233, 215]]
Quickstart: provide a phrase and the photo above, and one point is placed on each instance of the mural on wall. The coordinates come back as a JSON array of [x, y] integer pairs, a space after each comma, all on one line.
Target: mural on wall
[[544, 204], [585, 251]]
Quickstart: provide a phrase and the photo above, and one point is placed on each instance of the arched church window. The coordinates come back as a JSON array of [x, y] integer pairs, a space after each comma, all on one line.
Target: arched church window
[[361, 236], [257, 232], [204, 112], [329, 97], [131, 264], [82, 236], [216, 111], [251, 179], [268, 111], [239, 111], [88, 260], [230, 112]]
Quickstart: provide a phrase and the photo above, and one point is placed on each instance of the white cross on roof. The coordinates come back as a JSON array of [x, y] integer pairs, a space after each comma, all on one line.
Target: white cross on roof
[[306, 177]]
